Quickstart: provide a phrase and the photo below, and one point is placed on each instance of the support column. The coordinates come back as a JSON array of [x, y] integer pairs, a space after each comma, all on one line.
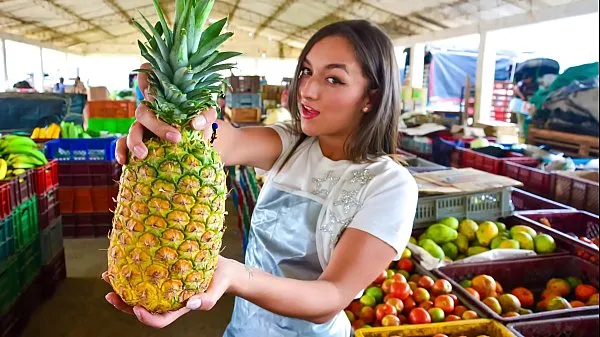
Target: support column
[[417, 64], [3, 68], [38, 75], [484, 79]]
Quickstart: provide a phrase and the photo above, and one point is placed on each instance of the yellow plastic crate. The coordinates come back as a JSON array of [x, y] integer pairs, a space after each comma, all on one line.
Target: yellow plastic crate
[[469, 328]]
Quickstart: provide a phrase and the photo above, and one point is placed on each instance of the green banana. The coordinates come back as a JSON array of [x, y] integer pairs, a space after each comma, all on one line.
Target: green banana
[[18, 172], [26, 159], [17, 142], [22, 165]]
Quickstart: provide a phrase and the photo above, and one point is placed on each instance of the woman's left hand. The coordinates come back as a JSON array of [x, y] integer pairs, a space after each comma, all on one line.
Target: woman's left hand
[[219, 284]]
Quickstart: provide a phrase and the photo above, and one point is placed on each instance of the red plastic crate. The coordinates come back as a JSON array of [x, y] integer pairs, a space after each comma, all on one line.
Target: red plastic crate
[[45, 177], [87, 225], [578, 189], [89, 173], [97, 199], [5, 207], [525, 201], [48, 207], [21, 188], [532, 274], [111, 109], [53, 273], [565, 327], [578, 223], [534, 180], [494, 165]]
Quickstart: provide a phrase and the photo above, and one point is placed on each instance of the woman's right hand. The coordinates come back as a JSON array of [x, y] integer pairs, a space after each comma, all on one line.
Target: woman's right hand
[[146, 119]]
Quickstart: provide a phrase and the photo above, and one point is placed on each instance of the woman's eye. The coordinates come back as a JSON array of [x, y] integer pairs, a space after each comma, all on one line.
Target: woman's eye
[[304, 71], [334, 80]]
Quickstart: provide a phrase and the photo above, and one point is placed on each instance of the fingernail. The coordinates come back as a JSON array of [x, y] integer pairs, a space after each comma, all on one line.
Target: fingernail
[[137, 312], [199, 122], [194, 303], [173, 136], [139, 151]]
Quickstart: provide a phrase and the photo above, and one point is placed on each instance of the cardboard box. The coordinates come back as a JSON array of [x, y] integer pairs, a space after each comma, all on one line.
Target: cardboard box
[[246, 115], [506, 133], [98, 94], [246, 84]]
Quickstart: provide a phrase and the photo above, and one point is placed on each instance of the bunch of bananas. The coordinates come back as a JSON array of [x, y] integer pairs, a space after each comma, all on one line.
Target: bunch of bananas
[[18, 154], [51, 131], [72, 130]]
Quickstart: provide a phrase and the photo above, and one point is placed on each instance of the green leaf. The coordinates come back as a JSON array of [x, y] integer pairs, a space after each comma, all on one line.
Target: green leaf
[[162, 65], [146, 55], [205, 62], [207, 49], [176, 54], [182, 74], [163, 22], [224, 56], [164, 51], [212, 31], [214, 69], [203, 10], [142, 29], [179, 10], [191, 30]]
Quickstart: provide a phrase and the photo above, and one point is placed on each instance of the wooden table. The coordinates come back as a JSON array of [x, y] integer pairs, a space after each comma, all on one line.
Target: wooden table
[[569, 143]]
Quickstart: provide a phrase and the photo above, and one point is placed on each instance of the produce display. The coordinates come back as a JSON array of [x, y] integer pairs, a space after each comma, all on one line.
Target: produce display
[[452, 240], [64, 130], [17, 154], [595, 240], [169, 220], [401, 296], [566, 293], [51, 131]]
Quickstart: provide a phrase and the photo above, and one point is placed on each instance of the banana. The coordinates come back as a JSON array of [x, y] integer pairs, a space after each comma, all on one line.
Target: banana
[[25, 159], [16, 141], [22, 165], [43, 132], [36, 133], [56, 131], [18, 172], [3, 168]]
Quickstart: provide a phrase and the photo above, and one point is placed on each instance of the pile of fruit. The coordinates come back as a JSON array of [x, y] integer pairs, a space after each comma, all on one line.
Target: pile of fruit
[[559, 294], [64, 130], [400, 296], [595, 240], [450, 240], [17, 154], [51, 131]]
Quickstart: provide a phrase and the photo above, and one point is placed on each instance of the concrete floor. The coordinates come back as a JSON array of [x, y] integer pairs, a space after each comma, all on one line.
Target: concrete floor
[[78, 308]]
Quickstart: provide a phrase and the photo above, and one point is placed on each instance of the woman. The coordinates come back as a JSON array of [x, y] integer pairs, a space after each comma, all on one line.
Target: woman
[[334, 210]]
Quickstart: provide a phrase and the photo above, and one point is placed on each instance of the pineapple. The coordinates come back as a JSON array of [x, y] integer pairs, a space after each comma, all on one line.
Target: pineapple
[[169, 219]]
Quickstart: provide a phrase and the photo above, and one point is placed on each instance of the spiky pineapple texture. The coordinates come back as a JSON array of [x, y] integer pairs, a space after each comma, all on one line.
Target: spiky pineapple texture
[[169, 220]]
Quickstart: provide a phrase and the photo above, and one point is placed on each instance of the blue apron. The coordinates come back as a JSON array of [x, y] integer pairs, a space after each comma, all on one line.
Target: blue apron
[[282, 242]]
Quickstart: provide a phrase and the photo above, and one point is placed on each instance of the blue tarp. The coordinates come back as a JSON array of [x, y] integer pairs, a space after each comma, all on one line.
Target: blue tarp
[[449, 69]]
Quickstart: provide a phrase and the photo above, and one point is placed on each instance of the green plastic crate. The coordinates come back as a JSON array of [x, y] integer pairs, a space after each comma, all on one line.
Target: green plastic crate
[[25, 223], [29, 262], [9, 284], [112, 125]]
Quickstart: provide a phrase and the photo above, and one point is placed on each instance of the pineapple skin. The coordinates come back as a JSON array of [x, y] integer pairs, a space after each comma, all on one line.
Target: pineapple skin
[[168, 224]]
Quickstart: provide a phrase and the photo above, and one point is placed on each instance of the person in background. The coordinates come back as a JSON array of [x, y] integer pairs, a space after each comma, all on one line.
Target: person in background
[[60, 86], [79, 87], [526, 87], [281, 113], [224, 112]]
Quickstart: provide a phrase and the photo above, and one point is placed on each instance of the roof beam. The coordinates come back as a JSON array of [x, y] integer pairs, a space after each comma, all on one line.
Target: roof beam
[[118, 10], [233, 10], [69, 14], [577, 8], [276, 13]]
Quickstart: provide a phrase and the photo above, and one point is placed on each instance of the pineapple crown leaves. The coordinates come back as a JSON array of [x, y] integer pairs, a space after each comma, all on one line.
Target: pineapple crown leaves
[[184, 60]]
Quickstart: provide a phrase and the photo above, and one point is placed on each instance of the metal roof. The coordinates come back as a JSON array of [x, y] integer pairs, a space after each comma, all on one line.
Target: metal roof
[[262, 27]]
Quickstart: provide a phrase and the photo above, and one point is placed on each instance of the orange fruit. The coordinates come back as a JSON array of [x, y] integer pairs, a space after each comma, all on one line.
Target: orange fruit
[[469, 314], [451, 318], [473, 293], [559, 286], [593, 300], [548, 294], [524, 295], [511, 314], [583, 292], [459, 310], [485, 286], [542, 305], [577, 304], [499, 289]]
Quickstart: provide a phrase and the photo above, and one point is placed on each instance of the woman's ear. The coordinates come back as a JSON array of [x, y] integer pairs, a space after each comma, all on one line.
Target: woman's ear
[[371, 99]]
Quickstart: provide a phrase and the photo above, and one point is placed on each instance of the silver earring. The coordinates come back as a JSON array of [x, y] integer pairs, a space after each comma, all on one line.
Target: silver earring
[[366, 109]]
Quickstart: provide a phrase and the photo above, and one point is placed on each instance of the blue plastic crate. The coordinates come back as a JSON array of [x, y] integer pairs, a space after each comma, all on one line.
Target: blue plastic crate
[[82, 149], [442, 150], [244, 100]]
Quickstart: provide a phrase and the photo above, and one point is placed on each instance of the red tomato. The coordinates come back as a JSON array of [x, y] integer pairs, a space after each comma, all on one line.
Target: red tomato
[[405, 264], [396, 303], [426, 305], [367, 314], [390, 320], [385, 286], [384, 309], [445, 303], [456, 300], [399, 277], [400, 290], [441, 287], [355, 307], [358, 324], [381, 277], [403, 319], [426, 282], [409, 304], [419, 316], [451, 318]]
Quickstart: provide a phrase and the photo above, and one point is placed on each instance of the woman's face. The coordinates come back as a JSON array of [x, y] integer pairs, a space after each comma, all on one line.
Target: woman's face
[[332, 91]]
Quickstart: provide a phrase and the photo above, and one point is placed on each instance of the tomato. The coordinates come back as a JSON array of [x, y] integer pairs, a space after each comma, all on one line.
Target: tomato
[[437, 314], [405, 264], [441, 287], [419, 316], [385, 309], [459, 310], [385, 286], [381, 277], [409, 304], [426, 282], [426, 305], [350, 315], [367, 314], [358, 324], [456, 300], [421, 295], [399, 277], [403, 319], [400, 290], [396, 303], [390, 320], [355, 307], [439, 335], [451, 318], [445, 303], [469, 314], [473, 293]]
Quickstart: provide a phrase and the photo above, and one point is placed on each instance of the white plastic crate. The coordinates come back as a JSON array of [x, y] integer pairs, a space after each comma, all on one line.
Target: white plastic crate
[[479, 206]]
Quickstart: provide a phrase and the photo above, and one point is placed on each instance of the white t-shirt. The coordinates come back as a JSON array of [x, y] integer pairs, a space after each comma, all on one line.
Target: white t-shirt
[[379, 198]]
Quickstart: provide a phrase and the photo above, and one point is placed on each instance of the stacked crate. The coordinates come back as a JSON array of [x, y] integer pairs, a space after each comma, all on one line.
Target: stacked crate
[[114, 117], [87, 175], [245, 99]]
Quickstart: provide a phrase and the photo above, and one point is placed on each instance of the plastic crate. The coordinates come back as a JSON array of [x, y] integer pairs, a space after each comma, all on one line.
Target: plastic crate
[[525, 201], [534, 180], [25, 223], [51, 241], [5, 206], [9, 284], [578, 189], [563, 327], [404, 154], [45, 177], [104, 173], [13, 322], [420, 147], [244, 100], [564, 223], [111, 109], [48, 208], [491, 164], [417, 165], [86, 225], [112, 125], [53, 273], [442, 150], [7, 240], [21, 188], [473, 327], [478, 206], [87, 199], [30, 262], [83, 149], [532, 274]]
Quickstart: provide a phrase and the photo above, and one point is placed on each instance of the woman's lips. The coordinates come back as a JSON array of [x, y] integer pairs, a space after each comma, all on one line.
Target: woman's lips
[[308, 112]]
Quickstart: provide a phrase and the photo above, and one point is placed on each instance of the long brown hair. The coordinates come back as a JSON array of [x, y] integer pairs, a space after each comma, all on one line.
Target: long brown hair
[[378, 131]]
